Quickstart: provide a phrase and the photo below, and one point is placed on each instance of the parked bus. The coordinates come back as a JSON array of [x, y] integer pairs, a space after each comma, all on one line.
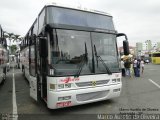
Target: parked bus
[[3, 56], [70, 57], [155, 57]]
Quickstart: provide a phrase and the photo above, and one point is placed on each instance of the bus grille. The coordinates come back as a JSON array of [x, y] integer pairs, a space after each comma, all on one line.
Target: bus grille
[[90, 83], [92, 95]]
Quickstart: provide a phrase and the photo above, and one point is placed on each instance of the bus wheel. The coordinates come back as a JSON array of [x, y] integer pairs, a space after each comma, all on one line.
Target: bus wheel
[[24, 74], [4, 74], [4, 77], [23, 70]]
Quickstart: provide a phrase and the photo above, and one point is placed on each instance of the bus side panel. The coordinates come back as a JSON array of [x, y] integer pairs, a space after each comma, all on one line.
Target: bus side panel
[[3, 63], [156, 60], [1, 73]]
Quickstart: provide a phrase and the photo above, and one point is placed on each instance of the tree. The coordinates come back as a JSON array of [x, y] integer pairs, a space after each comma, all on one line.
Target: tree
[[10, 36], [13, 49], [16, 38]]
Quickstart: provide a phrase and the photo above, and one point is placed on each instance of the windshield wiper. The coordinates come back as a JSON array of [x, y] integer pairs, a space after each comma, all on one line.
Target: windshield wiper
[[104, 64], [83, 61]]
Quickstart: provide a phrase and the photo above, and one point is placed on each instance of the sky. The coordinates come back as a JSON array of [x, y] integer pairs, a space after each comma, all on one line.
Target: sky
[[139, 19]]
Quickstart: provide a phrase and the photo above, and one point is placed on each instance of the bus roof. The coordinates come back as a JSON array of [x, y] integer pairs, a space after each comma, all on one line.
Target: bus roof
[[78, 8]]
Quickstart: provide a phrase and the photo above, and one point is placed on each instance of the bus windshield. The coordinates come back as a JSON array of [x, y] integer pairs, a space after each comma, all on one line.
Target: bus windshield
[[106, 48], [69, 48]]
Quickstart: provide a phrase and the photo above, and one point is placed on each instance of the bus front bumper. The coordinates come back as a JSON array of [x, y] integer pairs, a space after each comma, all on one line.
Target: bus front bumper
[[69, 98]]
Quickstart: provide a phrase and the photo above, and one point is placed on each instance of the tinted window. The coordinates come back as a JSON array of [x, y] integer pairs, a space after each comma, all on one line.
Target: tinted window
[[41, 20], [32, 62], [70, 47], [106, 48], [79, 18], [156, 55], [35, 28], [68, 52]]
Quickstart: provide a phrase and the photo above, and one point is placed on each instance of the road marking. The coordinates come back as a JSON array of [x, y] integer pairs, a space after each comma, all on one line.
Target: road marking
[[154, 83], [152, 69], [15, 114]]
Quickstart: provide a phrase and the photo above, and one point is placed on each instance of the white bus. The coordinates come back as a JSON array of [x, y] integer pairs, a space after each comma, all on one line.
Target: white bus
[[3, 56], [70, 57]]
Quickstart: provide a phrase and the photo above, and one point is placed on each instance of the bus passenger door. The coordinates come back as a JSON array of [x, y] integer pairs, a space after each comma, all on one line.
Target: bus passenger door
[[43, 53], [32, 70]]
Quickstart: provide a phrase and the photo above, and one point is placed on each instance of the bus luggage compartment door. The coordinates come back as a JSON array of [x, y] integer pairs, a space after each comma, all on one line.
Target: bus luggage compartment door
[[33, 87]]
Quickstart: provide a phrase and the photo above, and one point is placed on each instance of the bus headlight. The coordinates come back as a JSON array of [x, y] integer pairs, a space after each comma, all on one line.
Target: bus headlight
[[52, 86], [113, 80], [60, 98], [64, 98], [68, 85], [117, 90], [67, 98], [118, 80], [60, 86]]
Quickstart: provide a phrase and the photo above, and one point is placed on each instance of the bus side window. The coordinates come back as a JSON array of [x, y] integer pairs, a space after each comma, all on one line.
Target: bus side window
[[32, 64]]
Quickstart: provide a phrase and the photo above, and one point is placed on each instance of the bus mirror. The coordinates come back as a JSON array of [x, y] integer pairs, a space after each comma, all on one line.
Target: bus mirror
[[43, 47], [125, 43], [126, 47], [122, 34]]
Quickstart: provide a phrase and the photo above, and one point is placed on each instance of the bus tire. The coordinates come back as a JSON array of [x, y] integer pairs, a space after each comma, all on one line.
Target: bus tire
[[23, 70], [4, 75], [24, 75]]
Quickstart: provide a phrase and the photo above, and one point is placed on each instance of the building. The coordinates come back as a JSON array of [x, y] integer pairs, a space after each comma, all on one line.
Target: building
[[146, 47], [2, 39], [158, 46], [148, 44], [139, 48]]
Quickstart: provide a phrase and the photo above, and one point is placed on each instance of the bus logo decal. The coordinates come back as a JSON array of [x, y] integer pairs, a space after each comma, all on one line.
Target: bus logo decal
[[69, 79], [94, 83]]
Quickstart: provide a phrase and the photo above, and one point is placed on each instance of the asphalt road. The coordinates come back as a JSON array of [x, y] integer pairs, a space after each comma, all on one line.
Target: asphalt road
[[139, 95]]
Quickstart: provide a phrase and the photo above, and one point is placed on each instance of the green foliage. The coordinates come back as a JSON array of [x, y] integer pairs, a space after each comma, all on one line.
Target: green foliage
[[13, 37], [13, 49]]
